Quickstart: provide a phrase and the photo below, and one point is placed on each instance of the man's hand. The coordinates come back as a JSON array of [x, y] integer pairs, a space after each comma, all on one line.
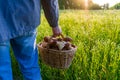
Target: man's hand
[[56, 31]]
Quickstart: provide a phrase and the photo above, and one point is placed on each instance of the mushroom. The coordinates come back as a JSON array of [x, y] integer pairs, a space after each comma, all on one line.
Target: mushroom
[[61, 44], [67, 39], [67, 46], [59, 39], [46, 39]]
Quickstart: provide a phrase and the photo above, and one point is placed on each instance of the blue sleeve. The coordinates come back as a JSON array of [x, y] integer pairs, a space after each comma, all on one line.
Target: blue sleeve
[[51, 11]]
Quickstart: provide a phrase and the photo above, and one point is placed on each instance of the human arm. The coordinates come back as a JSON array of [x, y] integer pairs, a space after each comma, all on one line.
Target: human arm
[[51, 11]]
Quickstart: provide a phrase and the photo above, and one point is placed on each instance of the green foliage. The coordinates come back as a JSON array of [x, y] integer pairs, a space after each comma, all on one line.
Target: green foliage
[[97, 36], [116, 6], [78, 4], [94, 7]]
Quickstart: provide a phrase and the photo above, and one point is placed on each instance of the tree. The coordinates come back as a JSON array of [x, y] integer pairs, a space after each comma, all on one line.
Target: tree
[[116, 6], [77, 4], [95, 7], [106, 6]]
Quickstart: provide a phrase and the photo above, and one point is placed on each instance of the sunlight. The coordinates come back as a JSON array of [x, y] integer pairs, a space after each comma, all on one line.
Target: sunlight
[[99, 1], [86, 4]]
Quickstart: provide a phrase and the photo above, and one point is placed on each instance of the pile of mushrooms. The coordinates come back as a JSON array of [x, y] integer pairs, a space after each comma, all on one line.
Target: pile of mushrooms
[[58, 43]]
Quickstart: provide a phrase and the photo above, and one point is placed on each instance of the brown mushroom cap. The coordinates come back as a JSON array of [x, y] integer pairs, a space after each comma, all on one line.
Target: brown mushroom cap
[[46, 39], [59, 39], [52, 43], [67, 39]]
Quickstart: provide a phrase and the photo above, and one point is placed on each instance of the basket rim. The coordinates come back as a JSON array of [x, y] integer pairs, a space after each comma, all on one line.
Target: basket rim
[[39, 45]]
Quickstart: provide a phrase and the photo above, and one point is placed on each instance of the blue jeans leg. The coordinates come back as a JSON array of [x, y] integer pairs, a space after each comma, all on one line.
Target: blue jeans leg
[[26, 53], [5, 61]]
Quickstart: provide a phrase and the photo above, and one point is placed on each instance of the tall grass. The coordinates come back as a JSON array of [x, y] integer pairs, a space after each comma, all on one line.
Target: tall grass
[[97, 36]]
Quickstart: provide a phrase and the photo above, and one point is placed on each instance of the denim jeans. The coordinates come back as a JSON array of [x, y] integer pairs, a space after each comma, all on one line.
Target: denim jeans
[[26, 53]]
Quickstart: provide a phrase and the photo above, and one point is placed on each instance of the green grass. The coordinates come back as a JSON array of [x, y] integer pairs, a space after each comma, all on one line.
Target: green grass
[[97, 36]]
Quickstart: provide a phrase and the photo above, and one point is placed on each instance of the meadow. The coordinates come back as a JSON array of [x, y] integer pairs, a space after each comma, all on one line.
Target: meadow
[[97, 36]]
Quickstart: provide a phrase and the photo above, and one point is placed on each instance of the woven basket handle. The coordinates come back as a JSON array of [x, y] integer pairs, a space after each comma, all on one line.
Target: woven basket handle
[[61, 35]]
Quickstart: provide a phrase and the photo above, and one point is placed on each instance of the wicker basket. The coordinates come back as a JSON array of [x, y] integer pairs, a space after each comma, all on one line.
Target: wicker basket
[[56, 58]]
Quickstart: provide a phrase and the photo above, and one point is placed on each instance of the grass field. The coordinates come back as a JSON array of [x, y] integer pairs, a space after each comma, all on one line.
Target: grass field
[[97, 35]]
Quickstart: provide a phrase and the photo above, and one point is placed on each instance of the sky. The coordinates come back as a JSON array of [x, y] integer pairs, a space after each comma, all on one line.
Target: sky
[[111, 2]]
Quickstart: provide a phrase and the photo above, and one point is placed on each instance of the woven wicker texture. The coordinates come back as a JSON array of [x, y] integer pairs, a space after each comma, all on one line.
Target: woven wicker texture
[[56, 58]]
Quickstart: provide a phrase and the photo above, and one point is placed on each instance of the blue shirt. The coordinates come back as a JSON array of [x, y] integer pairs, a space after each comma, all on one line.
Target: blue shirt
[[19, 17]]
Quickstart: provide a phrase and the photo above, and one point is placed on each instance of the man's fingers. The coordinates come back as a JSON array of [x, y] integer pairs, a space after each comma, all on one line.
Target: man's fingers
[[56, 31]]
